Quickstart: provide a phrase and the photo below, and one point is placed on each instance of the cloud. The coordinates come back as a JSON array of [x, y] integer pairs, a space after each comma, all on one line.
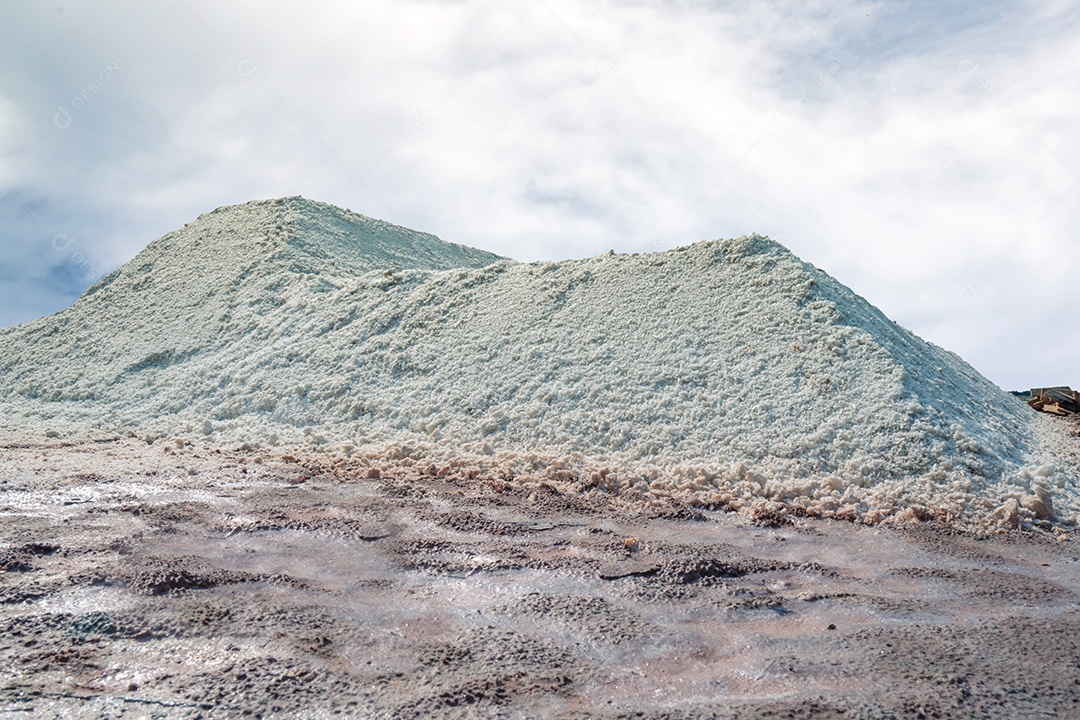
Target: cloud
[[923, 154]]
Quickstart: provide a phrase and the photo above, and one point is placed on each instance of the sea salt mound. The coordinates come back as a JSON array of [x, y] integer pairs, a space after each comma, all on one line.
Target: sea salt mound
[[725, 372]]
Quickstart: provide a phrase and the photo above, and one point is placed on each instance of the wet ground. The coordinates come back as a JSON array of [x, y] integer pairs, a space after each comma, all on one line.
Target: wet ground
[[162, 579]]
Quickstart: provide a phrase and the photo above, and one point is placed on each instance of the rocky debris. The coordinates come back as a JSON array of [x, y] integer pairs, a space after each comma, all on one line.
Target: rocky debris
[[21, 559], [161, 575]]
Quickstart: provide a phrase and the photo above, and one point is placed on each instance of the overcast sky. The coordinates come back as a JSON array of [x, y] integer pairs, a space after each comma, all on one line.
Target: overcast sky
[[926, 154]]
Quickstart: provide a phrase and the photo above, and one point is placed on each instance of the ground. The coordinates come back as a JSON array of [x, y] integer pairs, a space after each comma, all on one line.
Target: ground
[[153, 578]]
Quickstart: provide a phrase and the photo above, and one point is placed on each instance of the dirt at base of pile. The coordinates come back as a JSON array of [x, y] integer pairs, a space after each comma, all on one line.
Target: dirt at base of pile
[[152, 580]]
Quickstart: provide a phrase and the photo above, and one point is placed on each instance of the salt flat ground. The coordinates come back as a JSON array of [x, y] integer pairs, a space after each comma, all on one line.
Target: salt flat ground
[[170, 579]]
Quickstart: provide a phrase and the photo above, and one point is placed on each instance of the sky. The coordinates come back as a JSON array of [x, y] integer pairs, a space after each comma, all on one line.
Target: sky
[[925, 154]]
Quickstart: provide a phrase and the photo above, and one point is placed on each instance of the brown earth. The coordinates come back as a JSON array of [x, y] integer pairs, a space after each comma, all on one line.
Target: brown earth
[[153, 578]]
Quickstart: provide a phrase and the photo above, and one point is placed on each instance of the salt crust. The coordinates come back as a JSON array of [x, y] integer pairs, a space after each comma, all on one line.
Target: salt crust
[[726, 372]]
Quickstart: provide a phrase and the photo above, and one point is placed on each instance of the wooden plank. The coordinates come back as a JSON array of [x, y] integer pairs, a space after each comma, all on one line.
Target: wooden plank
[[1058, 396], [1054, 409], [1062, 401]]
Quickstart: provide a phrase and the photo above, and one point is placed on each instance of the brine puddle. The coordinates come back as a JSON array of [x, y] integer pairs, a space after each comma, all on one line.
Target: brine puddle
[[795, 628]]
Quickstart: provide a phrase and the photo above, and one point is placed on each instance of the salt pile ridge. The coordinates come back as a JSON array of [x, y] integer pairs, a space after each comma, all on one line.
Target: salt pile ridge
[[728, 369]]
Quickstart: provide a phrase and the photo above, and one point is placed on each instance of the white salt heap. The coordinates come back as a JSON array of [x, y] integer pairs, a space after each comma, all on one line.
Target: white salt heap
[[728, 369]]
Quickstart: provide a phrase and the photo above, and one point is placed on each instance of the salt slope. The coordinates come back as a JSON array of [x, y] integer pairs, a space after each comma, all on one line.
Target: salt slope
[[216, 284], [731, 364]]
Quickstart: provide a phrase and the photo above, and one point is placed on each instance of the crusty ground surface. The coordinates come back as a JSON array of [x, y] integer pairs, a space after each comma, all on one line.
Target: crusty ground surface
[[163, 579]]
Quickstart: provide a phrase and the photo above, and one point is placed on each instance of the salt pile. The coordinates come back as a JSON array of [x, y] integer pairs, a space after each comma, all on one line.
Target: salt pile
[[730, 370]]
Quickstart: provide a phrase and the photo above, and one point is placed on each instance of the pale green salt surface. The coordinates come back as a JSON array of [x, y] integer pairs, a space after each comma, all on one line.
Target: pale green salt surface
[[727, 368]]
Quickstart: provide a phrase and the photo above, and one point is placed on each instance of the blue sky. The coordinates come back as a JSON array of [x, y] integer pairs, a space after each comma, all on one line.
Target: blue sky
[[923, 153]]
